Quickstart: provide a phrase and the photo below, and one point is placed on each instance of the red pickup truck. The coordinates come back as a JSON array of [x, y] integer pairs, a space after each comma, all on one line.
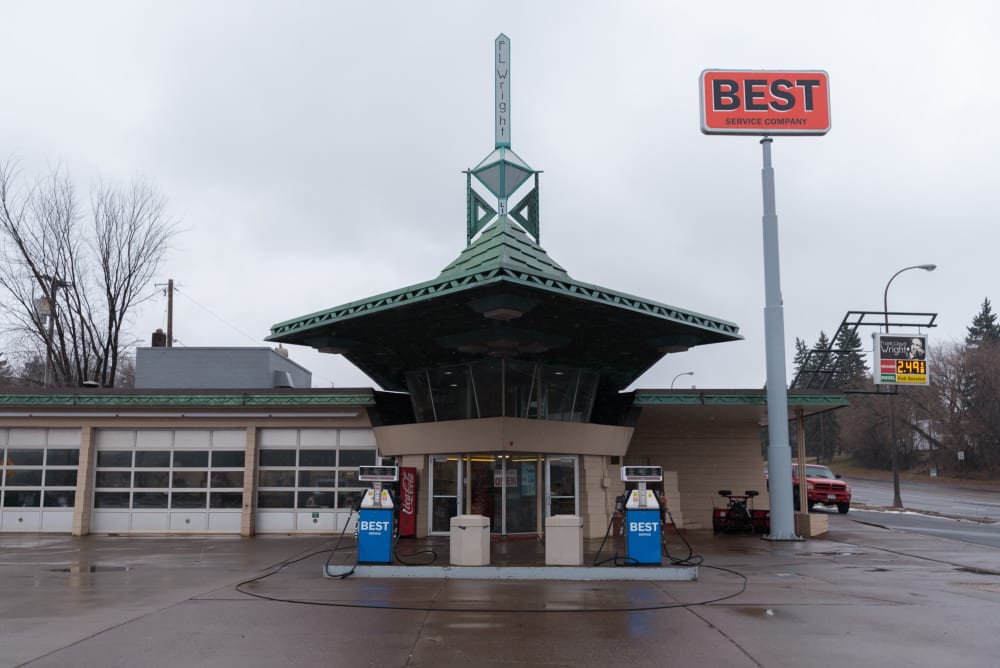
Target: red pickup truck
[[822, 487]]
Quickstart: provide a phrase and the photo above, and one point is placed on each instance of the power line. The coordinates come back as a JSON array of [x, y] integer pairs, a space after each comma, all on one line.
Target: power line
[[215, 315]]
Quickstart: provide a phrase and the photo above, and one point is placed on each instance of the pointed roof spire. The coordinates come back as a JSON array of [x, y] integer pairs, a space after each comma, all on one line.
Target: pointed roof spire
[[502, 172]]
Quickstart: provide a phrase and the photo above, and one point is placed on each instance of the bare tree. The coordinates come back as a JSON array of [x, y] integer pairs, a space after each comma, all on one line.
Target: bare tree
[[70, 282]]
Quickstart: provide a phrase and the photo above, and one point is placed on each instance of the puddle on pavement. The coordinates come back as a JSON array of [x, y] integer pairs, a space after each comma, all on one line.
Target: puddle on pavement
[[983, 586], [763, 613], [977, 571], [92, 568]]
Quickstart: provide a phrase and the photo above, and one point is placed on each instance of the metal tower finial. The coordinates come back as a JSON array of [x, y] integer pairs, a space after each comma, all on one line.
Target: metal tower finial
[[502, 50], [502, 172]]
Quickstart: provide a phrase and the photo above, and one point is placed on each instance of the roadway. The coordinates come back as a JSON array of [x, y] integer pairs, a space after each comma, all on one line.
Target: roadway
[[930, 497], [930, 508]]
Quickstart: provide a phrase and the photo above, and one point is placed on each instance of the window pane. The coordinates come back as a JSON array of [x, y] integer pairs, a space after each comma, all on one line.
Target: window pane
[[487, 377], [445, 477], [317, 478], [347, 499], [113, 479], [150, 500], [190, 479], [451, 391], [152, 479], [62, 457], [60, 478], [114, 458], [24, 477], [443, 509], [277, 478], [111, 500], [227, 478], [159, 459], [357, 458], [22, 457], [191, 458], [59, 499], [275, 499], [15, 499], [349, 478], [317, 500], [228, 459], [420, 396], [585, 395], [277, 457], [188, 500], [225, 500], [519, 389], [317, 458]]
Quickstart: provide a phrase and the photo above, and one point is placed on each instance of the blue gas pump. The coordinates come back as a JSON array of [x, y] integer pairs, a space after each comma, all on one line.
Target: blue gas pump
[[375, 520], [642, 516]]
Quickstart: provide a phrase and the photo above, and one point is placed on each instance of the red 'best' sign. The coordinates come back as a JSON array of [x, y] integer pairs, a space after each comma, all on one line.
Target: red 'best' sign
[[754, 102]]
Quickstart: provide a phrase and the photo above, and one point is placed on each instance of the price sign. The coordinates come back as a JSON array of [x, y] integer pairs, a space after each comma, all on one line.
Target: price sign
[[378, 473], [900, 359], [642, 473]]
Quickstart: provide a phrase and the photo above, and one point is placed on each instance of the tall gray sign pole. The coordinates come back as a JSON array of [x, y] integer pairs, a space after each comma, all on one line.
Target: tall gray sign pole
[[779, 452], [765, 103]]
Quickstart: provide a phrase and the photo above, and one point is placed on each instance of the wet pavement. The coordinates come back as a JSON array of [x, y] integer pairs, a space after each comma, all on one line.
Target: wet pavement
[[860, 596]]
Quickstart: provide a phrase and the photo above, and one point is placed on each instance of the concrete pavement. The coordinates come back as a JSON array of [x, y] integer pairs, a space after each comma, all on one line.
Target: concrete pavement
[[860, 596]]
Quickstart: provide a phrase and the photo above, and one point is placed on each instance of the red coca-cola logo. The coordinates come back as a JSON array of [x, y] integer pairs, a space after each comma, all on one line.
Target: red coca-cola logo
[[408, 482]]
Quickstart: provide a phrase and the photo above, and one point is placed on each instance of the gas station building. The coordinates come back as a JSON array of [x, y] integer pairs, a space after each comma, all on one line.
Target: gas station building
[[502, 383]]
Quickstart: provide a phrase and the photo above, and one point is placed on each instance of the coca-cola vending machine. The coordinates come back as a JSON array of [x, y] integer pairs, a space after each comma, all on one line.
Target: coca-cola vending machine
[[407, 502]]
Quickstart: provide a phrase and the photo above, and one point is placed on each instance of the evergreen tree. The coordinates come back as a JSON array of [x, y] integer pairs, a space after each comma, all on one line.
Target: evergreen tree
[[984, 326], [801, 355], [812, 364], [850, 366]]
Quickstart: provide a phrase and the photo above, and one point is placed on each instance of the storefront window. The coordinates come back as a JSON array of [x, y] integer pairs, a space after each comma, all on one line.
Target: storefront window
[[512, 388]]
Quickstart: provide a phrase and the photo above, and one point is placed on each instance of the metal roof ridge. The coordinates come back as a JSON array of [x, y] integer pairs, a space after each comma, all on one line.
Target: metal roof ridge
[[504, 244]]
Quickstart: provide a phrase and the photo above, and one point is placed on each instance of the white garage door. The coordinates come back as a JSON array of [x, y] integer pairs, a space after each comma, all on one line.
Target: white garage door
[[308, 478], [169, 481], [38, 469]]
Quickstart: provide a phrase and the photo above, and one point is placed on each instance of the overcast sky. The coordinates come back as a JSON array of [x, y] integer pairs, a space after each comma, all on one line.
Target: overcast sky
[[312, 153]]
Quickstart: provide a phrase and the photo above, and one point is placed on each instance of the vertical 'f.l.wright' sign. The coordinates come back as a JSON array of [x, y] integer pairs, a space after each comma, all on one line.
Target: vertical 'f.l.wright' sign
[[502, 45]]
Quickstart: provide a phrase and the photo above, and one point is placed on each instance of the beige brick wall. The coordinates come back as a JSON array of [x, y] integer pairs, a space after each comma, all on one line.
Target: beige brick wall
[[706, 455]]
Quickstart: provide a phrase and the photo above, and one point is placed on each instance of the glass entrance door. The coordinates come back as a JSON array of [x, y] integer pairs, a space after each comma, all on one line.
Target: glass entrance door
[[561, 485], [446, 491], [521, 493], [503, 488]]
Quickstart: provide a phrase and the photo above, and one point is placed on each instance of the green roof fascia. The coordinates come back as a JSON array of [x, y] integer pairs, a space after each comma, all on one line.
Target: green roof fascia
[[188, 400], [453, 284], [653, 398]]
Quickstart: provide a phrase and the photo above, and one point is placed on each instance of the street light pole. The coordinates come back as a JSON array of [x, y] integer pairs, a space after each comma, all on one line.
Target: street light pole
[[897, 501], [686, 373]]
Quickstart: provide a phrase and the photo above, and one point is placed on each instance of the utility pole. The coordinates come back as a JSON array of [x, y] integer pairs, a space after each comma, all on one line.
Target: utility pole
[[170, 313], [54, 284]]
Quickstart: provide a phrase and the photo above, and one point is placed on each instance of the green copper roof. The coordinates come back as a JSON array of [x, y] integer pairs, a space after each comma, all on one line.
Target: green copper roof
[[504, 253], [734, 398], [503, 296], [173, 400], [504, 244]]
